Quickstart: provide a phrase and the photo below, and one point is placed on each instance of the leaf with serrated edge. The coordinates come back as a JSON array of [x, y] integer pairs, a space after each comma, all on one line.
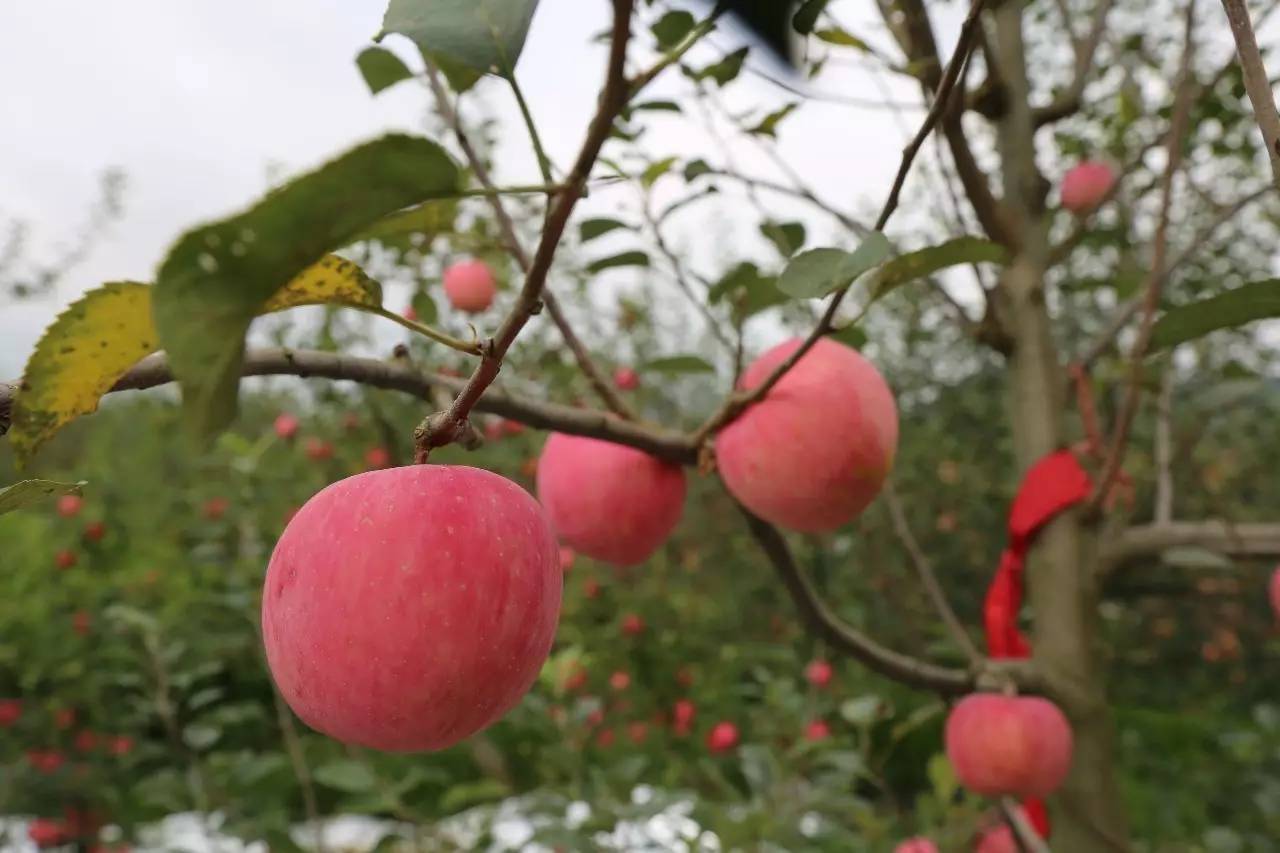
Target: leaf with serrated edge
[[924, 262], [818, 272], [332, 280], [27, 492], [217, 278], [485, 35], [77, 360]]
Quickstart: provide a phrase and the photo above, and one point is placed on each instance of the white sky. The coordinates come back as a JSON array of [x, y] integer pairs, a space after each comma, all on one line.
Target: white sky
[[194, 101]]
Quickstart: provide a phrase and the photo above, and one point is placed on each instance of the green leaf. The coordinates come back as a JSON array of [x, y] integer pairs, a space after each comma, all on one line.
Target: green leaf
[[806, 17], [425, 307], [217, 278], [724, 71], [747, 290], [27, 492], [695, 168], [671, 28], [818, 272], [656, 170], [484, 35], [656, 106], [77, 360], [351, 777], [861, 711], [768, 126], [381, 68], [468, 794], [200, 737], [844, 39], [625, 259], [924, 262], [676, 364], [1257, 300], [593, 228], [413, 227], [851, 336], [787, 237]]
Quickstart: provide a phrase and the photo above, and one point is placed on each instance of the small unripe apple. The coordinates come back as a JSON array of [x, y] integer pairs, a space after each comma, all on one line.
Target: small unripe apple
[[95, 531], [69, 505], [919, 844], [608, 501], [722, 737], [318, 449], [406, 609], [286, 426], [816, 450], [10, 712], [817, 730], [1084, 186], [377, 457], [216, 508], [1008, 745], [818, 673], [470, 286], [65, 559], [626, 379], [632, 625], [44, 832], [620, 680]]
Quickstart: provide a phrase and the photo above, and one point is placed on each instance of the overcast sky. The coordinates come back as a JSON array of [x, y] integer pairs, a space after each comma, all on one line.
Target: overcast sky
[[196, 100]]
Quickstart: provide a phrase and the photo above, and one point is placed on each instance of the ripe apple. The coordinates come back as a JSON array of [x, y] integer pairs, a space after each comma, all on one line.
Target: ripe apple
[[608, 501], [86, 740], [596, 717], [620, 680], [81, 622], [576, 679], [318, 449], [44, 832], [605, 738], [638, 731], [1008, 745], [632, 625], [120, 745], [95, 531], [69, 505], [470, 286], [816, 450], [511, 427], [818, 673], [919, 844], [722, 737], [10, 712], [817, 730], [286, 426], [46, 761], [408, 608], [1275, 591], [65, 559], [997, 839], [64, 718], [626, 379], [377, 457], [216, 508], [1085, 185]]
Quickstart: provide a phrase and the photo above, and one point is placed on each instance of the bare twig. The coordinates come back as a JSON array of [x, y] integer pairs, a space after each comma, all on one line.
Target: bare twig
[[737, 403], [1156, 277], [1256, 81], [927, 576], [1249, 539], [1164, 449], [1067, 102]]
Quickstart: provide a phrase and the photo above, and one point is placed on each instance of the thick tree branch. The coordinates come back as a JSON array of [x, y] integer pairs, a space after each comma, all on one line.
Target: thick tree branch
[[848, 640], [1248, 540], [665, 444], [1256, 82]]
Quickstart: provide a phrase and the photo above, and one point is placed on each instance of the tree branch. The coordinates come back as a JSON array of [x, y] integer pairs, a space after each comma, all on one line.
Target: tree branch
[[665, 444], [1067, 102], [1248, 540], [1256, 82]]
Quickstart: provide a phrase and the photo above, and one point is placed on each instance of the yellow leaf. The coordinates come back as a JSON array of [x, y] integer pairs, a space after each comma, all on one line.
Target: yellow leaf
[[77, 360], [331, 280]]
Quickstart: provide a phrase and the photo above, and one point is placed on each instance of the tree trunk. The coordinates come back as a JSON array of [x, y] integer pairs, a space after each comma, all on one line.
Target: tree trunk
[[1087, 812]]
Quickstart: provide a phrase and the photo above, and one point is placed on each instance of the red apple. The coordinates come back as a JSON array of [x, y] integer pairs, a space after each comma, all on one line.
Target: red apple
[[684, 676], [919, 844], [377, 457], [576, 679], [997, 839], [632, 625], [120, 745], [350, 421], [1008, 745], [722, 737], [596, 717], [216, 508], [409, 608], [286, 426], [10, 712], [1086, 185], [493, 429], [1275, 591], [65, 559], [95, 531], [46, 761], [605, 738], [470, 286], [620, 680], [816, 450], [611, 502], [818, 673], [69, 505], [683, 712], [318, 449], [64, 718], [81, 622], [86, 740], [510, 427], [817, 730], [626, 379], [46, 833], [638, 731]]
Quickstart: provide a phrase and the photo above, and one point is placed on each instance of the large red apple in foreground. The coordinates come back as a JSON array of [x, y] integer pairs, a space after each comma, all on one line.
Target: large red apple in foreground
[[470, 286], [816, 450], [1008, 745], [608, 501], [919, 844], [407, 608], [1086, 185]]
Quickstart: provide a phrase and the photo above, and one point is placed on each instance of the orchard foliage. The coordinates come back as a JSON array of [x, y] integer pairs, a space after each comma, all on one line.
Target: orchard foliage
[[133, 677]]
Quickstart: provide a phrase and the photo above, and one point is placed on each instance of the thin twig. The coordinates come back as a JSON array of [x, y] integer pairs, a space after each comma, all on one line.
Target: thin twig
[[1156, 277], [1256, 81], [1164, 449], [927, 576], [301, 771]]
